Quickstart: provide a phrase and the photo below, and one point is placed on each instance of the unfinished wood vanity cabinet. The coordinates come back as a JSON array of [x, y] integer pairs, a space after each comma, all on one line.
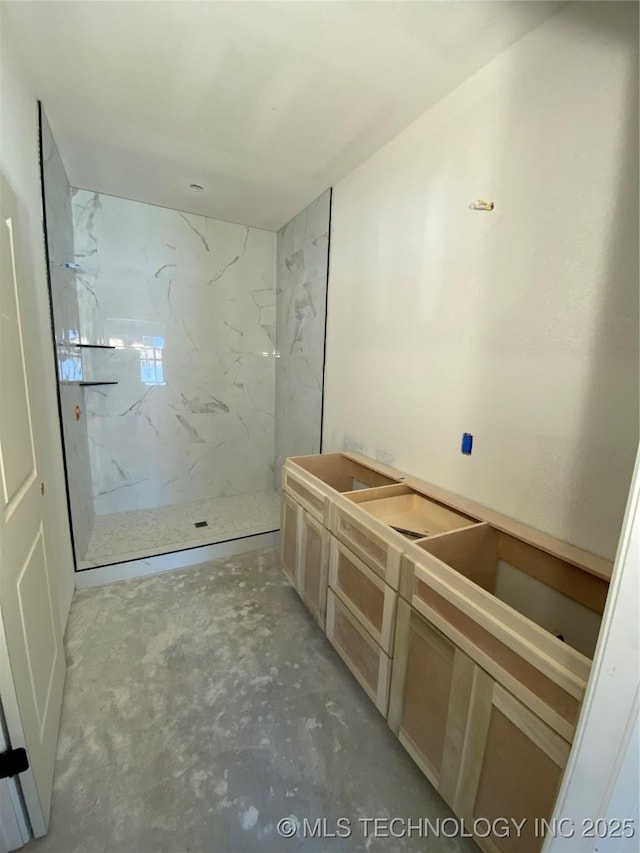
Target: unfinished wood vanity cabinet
[[473, 631]]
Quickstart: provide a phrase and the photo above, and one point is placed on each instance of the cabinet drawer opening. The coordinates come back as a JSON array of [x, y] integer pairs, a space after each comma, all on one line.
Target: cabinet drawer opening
[[561, 598], [411, 514], [341, 473]]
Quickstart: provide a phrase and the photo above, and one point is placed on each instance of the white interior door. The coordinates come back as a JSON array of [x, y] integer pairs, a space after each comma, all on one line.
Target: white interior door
[[13, 828], [32, 666]]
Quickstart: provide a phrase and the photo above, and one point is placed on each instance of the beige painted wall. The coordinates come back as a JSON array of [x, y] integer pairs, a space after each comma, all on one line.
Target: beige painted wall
[[19, 161], [519, 326]]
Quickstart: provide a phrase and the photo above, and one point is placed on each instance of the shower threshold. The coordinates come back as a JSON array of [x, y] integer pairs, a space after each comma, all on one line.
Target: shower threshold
[[122, 536]]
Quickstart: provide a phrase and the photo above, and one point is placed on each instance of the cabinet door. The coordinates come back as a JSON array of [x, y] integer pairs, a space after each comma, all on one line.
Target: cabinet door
[[313, 566], [289, 535], [429, 700], [511, 768]]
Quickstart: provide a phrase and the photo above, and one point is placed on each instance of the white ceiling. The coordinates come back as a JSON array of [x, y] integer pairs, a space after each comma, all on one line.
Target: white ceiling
[[266, 104]]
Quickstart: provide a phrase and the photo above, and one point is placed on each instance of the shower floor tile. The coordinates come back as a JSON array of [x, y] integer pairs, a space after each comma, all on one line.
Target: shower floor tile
[[140, 533]]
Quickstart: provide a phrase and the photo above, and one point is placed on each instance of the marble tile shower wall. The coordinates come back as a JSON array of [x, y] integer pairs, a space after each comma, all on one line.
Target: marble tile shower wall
[[189, 303], [65, 307], [301, 283]]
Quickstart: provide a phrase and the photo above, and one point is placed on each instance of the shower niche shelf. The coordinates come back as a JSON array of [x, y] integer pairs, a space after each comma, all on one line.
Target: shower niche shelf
[[82, 382], [94, 346], [93, 383]]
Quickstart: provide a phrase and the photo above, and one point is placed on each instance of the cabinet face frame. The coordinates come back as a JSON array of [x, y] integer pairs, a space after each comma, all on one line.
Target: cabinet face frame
[[310, 526], [378, 693], [556, 658], [369, 539], [340, 472], [304, 491], [383, 633], [487, 697], [513, 682]]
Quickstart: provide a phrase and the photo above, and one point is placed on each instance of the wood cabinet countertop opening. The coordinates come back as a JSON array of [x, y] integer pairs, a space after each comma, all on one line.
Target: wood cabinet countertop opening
[[341, 473], [554, 594]]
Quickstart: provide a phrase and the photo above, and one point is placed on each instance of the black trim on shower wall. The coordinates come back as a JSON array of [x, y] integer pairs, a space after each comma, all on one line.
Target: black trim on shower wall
[[326, 306], [53, 335]]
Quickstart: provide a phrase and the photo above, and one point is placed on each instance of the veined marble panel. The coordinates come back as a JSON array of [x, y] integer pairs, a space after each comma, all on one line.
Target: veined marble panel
[[189, 303], [66, 315], [301, 284]]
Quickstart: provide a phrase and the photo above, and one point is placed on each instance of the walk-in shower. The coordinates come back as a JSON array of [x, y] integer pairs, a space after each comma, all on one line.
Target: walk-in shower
[[190, 357]]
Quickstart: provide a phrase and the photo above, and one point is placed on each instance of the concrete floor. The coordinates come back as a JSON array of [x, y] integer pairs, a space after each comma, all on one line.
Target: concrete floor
[[202, 706]]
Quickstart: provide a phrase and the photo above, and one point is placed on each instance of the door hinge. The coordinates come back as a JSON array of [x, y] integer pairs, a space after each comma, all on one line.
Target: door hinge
[[12, 762]]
